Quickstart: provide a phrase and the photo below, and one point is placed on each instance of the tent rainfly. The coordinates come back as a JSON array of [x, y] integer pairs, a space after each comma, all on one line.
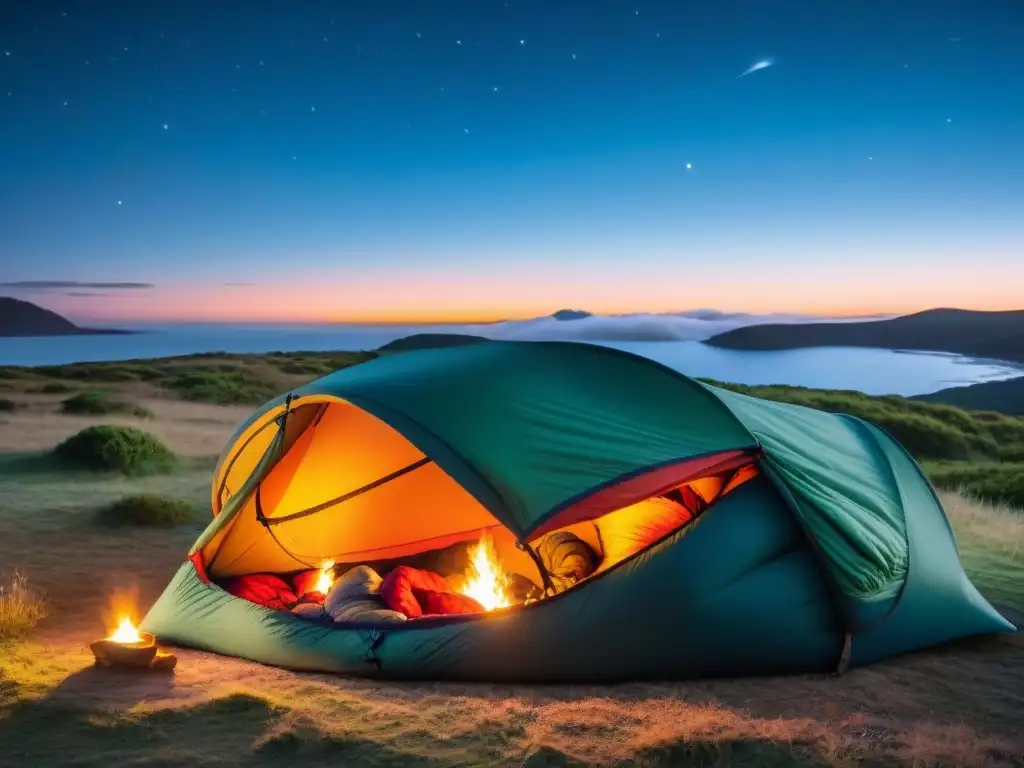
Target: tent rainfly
[[822, 546]]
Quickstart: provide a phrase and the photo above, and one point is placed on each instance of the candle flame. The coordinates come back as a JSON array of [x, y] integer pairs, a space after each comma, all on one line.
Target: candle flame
[[126, 632]]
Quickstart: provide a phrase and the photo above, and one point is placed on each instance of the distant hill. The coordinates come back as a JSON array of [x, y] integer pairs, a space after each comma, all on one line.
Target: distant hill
[[571, 314], [1003, 396], [23, 318], [429, 341], [997, 335]]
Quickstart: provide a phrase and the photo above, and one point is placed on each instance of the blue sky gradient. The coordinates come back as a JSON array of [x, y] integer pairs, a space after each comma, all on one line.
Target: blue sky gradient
[[536, 151]]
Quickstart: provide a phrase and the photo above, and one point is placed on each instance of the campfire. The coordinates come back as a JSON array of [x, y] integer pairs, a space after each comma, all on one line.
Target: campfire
[[485, 580], [126, 632], [325, 580], [126, 646]]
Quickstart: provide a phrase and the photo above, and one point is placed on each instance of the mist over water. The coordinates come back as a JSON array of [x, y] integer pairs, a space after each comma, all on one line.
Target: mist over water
[[672, 340]]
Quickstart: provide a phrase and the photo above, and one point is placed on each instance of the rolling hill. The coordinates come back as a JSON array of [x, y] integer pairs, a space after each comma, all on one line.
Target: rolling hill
[[23, 318], [998, 335], [1005, 396]]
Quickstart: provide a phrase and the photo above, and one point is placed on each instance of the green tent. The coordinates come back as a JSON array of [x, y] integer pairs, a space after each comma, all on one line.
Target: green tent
[[819, 544]]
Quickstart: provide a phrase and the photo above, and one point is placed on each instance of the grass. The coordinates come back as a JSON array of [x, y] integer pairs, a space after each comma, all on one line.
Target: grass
[[218, 378], [147, 510], [99, 403], [110, 448], [21, 608], [959, 704]]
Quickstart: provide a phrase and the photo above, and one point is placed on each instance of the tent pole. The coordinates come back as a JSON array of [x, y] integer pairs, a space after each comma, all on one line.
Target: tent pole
[[549, 588]]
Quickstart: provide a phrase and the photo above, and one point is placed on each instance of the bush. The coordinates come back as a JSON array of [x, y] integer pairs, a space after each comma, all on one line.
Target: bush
[[147, 510], [995, 483], [21, 608], [54, 388], [7, 405], [221, 387], [108, 448], [100, 404]]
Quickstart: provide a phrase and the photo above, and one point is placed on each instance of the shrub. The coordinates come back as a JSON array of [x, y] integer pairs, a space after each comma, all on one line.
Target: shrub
[[7, 405], [992, 482], [147, 510], [107, 448], [100, 404], [21, 608], [221, 387], [54, 388]]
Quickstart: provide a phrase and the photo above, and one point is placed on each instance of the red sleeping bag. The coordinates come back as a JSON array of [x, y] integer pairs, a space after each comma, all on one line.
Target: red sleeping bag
[[263, 589], [445, 603], [417, 593]]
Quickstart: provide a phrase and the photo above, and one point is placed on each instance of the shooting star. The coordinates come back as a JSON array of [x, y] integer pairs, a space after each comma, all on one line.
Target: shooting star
[[762, 64]]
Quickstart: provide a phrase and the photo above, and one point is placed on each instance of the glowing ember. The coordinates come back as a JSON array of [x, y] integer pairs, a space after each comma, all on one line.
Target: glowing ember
[[126, 632], [326, 579], [486, 582]]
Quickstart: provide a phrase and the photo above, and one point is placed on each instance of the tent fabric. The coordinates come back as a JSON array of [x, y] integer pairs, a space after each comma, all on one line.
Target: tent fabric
[[825, 531], [844, 492]]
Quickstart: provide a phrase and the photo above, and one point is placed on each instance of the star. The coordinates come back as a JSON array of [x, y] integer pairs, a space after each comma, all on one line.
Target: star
[[293, 157], [418, 35], [312, 109], [689, 166], [870, 157], [522, 42], [465, 130], [458, 42], [118, 202], [166, 126], [326, 40], [261, 62], [574, 57], [495, 89], [238, 66], [7, 53], [949, 119]]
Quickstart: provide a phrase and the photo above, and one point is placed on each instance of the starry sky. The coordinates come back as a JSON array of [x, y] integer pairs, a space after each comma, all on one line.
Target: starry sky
[[395, 160]]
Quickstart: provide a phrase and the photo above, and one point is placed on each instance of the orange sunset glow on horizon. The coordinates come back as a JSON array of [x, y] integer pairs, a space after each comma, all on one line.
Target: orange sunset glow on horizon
[[468, 299]]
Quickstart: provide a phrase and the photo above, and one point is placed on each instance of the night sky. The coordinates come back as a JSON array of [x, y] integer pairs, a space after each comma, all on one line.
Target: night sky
[[453, 159]]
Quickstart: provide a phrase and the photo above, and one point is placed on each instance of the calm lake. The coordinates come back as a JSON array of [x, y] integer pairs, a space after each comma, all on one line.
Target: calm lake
[[873, 371]]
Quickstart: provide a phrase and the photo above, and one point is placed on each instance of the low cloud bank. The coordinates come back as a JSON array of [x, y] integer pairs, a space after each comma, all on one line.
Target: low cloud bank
[[695, 325]]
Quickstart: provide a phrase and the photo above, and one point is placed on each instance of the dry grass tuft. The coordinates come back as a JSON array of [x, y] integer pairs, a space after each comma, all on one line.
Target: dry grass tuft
[[21, 607]]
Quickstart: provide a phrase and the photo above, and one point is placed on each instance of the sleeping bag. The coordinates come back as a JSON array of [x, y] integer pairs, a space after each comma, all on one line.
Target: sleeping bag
[[355, 596], [397, 588], [264, 589], [567, 558]]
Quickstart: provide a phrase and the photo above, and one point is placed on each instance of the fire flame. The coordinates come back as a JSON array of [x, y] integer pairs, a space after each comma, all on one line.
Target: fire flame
[[485, 581], [326, 579], [126, 632]]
